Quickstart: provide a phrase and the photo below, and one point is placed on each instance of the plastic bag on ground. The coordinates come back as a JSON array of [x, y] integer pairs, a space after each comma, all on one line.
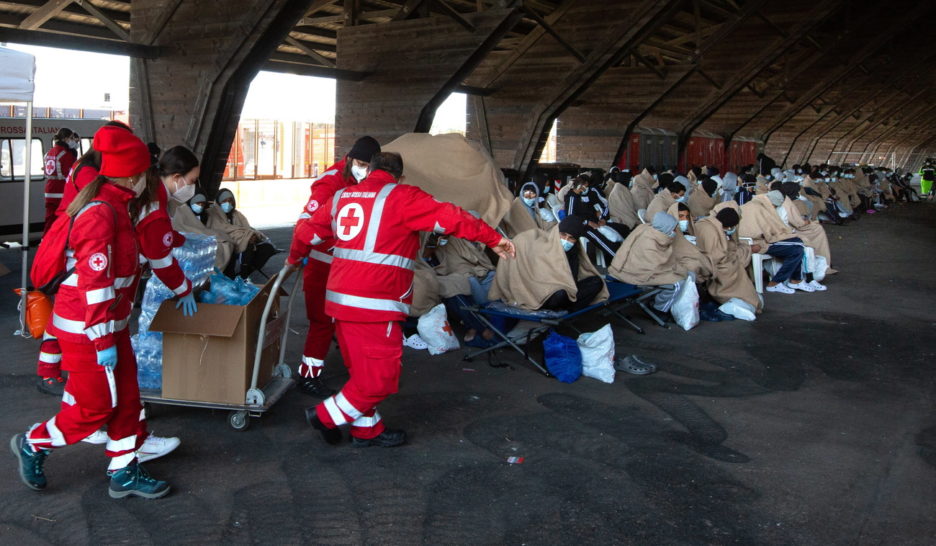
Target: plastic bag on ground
[[563, 357], [434, 329], [610, 234], [821, 267], [685, 308], [597, 350], [739, 309]]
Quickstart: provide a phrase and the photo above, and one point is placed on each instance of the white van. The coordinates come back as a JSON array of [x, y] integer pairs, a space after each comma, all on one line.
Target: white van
[[12, 156]]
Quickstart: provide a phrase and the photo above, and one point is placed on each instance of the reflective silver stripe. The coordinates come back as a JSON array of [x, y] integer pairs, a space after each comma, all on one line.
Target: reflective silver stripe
[[313, 362], [333, 412], [361, 302], [104, 328], [161, 262], [58, 439], [122, 444], [78, 326], [149, 209], [71, 280], [305, 216], [316, 240], [366, 422], [50, 358], [334, 212], [54, 195], [88, 206], [100, 295], [346, 406], [321, 256], [121, 461], [373, 224], [181, 289], [124, 282], [67, 398], [374, 258]]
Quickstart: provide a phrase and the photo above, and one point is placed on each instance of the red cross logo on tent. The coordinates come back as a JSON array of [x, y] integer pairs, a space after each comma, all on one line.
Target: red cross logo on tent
[[97, 261], [350, 221]]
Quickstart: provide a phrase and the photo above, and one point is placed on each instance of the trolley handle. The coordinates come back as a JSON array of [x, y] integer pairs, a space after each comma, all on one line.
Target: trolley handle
[[281, 276]]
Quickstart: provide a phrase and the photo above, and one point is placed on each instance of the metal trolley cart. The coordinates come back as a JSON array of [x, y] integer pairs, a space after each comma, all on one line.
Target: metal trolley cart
[[257, 400]]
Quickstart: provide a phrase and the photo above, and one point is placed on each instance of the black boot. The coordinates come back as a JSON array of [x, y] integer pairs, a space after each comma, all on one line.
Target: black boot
[[387, 438], [314, 386], [332, 436]]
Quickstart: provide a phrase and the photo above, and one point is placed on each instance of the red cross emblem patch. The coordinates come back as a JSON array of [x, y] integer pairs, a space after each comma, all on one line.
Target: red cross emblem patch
[[167, 238], [350, 221], [313, 205], [97, 261]]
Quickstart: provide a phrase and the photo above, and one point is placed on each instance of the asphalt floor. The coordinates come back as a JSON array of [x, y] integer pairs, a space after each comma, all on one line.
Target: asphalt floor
[[814, 424]]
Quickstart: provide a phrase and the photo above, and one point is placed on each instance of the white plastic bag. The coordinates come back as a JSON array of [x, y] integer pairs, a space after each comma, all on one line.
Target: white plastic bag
[[739, 309], [434, 329], [821, 267], [547, 215], [610, 234], [685, 308], [598, 354]]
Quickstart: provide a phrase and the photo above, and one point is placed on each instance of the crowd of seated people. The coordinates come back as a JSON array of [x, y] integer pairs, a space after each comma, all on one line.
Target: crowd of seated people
[[661, 229]]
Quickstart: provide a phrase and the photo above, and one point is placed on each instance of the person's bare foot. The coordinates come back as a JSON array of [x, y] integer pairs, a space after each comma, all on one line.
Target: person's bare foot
[[470, 335], [487, 334]]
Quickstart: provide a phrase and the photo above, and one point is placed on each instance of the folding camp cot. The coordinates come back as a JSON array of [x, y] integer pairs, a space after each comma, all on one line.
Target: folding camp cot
[[620, 295]]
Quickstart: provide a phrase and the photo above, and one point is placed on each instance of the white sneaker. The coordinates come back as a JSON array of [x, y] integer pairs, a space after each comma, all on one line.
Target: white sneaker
[[818, 287], [781, 288], [802, 285], [415, 342], [155, 447], [97, 437]]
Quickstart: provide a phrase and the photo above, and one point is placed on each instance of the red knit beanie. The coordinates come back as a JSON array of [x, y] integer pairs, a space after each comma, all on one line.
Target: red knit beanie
[[122, 153]]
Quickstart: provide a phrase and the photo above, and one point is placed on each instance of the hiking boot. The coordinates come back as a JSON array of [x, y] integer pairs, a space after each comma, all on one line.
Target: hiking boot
[[332, 436], [51, 385], [134, 480], [387, 438], [155, 447], [314, 386], [30, 462]]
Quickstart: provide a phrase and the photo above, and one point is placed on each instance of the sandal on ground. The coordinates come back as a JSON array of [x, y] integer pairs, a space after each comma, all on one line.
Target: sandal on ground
[[632, 364]]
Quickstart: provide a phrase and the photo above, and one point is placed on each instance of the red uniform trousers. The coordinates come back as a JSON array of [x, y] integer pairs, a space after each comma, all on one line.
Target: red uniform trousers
[[372, 351], [321, 326], [89, 404]]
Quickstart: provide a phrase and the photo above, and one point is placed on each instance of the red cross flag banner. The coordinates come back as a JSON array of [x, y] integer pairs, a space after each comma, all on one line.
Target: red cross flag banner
[[452, 169]]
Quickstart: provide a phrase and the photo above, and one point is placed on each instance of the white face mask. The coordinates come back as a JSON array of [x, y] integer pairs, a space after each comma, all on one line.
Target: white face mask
[[443, 242], [684, 225], [529, 201], [227, 207], [139, 186], [681, 199], [731, 231], [184, 193], [567, 245], [73, 144], [197, 209], [359, 173]]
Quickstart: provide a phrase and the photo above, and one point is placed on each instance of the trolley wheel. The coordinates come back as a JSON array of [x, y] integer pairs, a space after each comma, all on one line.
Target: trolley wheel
[[239, 420], [283, 370]]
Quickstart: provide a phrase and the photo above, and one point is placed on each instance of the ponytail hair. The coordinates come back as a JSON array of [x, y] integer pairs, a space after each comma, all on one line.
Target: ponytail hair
[[85, 196], [62, 135]]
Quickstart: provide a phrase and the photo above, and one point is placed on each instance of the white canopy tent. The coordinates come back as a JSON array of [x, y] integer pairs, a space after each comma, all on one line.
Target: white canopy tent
[[17, 84]]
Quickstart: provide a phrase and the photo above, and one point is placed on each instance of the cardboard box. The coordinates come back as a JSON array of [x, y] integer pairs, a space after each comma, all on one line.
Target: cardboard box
[[209, 357]]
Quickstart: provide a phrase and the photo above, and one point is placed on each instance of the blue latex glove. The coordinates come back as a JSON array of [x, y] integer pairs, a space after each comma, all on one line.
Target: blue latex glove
[[107, 357], [188, 305]]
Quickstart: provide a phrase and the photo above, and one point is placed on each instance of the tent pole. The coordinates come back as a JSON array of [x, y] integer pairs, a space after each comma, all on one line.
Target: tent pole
[[27, 180]]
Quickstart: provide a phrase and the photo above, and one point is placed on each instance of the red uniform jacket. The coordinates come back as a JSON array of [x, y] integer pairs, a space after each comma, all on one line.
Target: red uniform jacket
[[157, 239], [375, 225], [95, 301], [57, 164], [323, 188], [74, 184]]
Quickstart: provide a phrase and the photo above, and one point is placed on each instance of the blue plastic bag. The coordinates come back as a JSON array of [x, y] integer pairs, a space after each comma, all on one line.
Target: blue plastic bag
[[563, 357]]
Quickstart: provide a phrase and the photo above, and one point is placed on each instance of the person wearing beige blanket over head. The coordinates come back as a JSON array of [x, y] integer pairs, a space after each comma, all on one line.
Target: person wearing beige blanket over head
[[551, 272], [703, 199], [648, 258], [717, 238], [192, 217], [760, 221], [675, 192], [812, 233], [252, 246], [642, 189]]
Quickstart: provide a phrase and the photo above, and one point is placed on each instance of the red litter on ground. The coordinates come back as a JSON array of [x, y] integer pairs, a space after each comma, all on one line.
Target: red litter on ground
[[514, 460]]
